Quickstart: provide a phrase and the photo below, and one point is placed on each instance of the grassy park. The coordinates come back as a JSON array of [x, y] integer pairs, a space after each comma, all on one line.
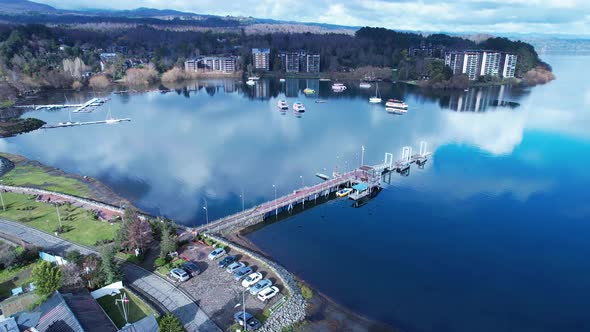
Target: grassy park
[[27, 175], [79, 225]]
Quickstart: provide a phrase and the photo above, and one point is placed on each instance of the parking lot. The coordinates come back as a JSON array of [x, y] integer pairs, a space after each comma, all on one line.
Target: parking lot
[[217, 292]]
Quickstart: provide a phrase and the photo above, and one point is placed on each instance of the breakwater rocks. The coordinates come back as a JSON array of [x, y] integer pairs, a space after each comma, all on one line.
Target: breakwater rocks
[[293, 309]]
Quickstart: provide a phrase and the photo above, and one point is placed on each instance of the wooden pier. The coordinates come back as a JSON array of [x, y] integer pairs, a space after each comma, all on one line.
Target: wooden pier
[[75, 124], [79, 107], [370, 176]]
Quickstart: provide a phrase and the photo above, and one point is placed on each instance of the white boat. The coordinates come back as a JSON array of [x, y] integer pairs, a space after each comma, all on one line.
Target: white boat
[[253, 78], [67, 124], [343, 192], [377, 98], [281, 80], [338, 87], [325, 80], [395, 103], [298, 107], [364, 85], [282, 105], [250, 82]]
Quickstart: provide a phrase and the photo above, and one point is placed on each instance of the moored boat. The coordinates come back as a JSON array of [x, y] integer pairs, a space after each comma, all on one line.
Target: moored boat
[[395, 103], [338, 87], [377, 98], [281, 80], [250, 82], [298, 107], [364, 85], [308, 91], [343, 192], [282, 105], [254, 78]]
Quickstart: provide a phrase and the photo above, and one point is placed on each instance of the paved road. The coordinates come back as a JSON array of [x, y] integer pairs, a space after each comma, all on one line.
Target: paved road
[[178, 303]]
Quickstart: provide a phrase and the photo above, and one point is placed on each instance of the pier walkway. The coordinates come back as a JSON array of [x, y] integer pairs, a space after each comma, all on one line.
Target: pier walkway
[[369, 175]]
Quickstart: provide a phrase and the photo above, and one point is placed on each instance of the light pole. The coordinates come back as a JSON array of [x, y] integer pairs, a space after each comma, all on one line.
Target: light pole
[[362, 154], [302, 181], [242, 197], [244, 309], [206, 208], [2, 199], [58, 218], [276, 207]]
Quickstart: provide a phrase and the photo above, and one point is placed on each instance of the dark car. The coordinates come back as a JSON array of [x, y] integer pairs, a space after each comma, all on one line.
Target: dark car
[[191, 268], [226, 261], [252, 323]]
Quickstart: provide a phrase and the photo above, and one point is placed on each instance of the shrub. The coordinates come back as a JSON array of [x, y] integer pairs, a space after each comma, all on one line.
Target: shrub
[[170, 323], [159, 262], [99, 81], [306, 291], [174, 75]]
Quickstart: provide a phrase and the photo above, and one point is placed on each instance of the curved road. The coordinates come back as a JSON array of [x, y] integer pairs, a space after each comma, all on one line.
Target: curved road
[[173, 299]]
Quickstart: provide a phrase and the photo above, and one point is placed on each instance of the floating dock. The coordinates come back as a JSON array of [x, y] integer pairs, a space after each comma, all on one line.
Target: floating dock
[[79, 107], [76, 124]]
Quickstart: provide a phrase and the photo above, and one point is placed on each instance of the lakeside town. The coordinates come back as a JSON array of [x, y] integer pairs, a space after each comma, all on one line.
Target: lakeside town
[[84, 253]]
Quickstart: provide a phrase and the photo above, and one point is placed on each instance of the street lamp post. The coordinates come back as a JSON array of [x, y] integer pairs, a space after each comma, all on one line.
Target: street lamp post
[[242, 197], [276, 207], [206, 208], [1, 198], [58, 217], [243, 309], [302, 181]]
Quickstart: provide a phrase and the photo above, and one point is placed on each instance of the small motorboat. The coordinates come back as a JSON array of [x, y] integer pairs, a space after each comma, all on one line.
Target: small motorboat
[[343, 192], [298, 107], [394, 103], [338, 87], [282, 105], [325, 80], [281, 80], [308, 91], [250, 82], [253, 78], [365, 85]]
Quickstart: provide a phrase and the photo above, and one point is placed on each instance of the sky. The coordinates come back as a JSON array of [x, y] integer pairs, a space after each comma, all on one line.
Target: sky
[[570, 17]]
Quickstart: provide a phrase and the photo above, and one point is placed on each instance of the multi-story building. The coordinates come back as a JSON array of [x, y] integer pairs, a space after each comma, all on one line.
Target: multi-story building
[[509, 65], [481, 63], [313, 63], [295, 62], [225, 64], [490, 63], [290, 62], [261, 58], [455, 61]]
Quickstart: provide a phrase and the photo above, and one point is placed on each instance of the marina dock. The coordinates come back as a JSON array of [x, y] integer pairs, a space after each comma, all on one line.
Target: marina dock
[[75, 124], [85, 107], [364, 180]]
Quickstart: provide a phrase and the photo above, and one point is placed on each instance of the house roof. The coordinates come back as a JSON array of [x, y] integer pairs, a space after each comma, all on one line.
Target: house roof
[[88, 312], [56, 316], [8, 325], [146, 324]]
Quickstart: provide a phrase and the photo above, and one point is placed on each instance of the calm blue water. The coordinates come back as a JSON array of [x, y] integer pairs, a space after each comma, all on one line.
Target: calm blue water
[[490, 236]]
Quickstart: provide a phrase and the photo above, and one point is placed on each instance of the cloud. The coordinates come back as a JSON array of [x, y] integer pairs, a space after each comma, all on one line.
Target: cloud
[[491, 16]]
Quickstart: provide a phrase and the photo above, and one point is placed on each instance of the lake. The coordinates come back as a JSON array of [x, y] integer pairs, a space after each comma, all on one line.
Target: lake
[[491, 235]]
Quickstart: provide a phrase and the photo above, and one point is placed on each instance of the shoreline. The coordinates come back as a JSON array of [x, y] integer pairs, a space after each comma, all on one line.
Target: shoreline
[[323, 311]]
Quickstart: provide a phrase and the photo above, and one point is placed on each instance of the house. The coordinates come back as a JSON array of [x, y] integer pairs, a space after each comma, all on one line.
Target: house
[[146, 324]]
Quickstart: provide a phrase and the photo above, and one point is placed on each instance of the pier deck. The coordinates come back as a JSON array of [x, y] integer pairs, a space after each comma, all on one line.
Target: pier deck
[[371, 176]]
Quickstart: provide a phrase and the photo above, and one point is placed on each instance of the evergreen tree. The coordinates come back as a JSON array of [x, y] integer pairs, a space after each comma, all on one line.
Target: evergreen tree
[[169, 323], [47, 278]]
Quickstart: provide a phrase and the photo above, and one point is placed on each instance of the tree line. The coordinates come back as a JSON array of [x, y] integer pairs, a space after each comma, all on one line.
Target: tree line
[[55, 56]]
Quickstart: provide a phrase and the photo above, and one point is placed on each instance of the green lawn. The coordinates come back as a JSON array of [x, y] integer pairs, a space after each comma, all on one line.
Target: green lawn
[[80, 225], [37, 177], [137, 308], [12, 278]]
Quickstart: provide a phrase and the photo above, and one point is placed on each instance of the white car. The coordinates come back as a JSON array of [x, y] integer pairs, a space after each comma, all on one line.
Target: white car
[[233, 267], [215, 254], [262, 284], [179, 274], [268, 293], [252, 279]]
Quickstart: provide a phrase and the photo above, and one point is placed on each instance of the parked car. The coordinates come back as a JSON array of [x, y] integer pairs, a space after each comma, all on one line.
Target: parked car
[[242, 273], [179, 274], [227, 260], [192, 268], [252, 279], [268, 293], [233, 267], [262, 284], [215, 254], [252, 323]]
